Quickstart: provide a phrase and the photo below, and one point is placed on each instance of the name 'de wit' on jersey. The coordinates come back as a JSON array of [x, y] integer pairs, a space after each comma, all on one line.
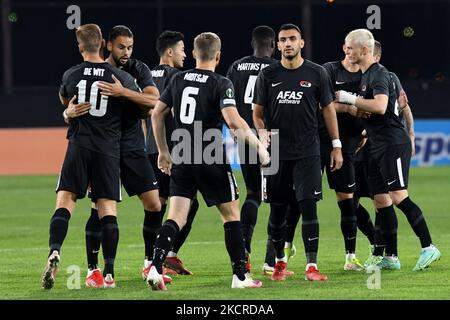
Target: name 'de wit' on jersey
[[100, 129]]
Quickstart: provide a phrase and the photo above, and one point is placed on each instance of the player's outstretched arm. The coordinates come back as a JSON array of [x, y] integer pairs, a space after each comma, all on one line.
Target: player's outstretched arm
[[243, 131], [377, 105], [329, 115], [159, 131]]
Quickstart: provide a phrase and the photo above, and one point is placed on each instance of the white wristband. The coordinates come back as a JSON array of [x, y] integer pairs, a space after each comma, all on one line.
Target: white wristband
[[65, 116], [336, 143], [346, 97]]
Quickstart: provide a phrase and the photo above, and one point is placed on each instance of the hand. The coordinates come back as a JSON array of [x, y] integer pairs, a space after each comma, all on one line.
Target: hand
[[165, 163], [233, 135], [345, 97], [336, 159], [264, 156], [111, 89], [413, 146], [402, 100], [352, 110], [75, 110], [264, 137], [362, 114], [361, 144]]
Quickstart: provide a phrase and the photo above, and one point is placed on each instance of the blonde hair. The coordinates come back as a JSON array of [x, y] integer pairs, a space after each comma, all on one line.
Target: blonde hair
[[89, 36], [207, 44], [363, 38]]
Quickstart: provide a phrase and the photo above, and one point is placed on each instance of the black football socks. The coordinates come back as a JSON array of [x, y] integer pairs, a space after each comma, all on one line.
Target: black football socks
[[348, 224], [389, 225], [249, 215], [380, 243], [310, 229], [277, 221], [151, 226], [270, 250], [292, 218], [236, 248], [58, 229], [364, 223], [93, 236], [110, 240], [164, 242], [416, 221]]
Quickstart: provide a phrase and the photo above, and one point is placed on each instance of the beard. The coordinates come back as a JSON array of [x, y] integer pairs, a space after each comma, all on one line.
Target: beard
[[118, 63], [290, 56]]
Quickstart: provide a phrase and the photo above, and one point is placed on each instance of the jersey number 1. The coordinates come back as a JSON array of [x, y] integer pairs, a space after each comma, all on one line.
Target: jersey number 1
[[188, 104], [93, 98]]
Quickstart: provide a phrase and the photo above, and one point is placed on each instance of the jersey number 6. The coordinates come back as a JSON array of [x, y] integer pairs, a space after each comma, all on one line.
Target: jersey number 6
[[188, 104]]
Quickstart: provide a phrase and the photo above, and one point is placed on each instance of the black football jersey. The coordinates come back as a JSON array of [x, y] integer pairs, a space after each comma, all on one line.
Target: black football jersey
[[161, 75], [350, 127], [291, 104], [197, 98], [383, 129], [132, 134], [243, 74], [100, 129]]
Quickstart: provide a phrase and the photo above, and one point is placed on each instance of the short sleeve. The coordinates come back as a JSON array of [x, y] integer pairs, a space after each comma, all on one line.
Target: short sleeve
[[166, 96], [145, 77], [225, 92], [260, 91], [380, 83], [326, 94]]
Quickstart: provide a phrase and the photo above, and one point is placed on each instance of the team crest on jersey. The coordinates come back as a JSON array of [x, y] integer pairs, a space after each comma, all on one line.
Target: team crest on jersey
[[229, 93], [304, 83]]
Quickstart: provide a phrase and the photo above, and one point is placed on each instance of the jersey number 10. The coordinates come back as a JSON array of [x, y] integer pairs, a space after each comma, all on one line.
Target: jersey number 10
[[93, 98]]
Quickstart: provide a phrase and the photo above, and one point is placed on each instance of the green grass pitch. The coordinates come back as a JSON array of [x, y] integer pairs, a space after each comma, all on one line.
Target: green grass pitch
[[27, 203]]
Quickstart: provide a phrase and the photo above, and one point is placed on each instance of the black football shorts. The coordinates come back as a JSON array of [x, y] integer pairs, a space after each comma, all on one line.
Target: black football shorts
[[83, 168], [215, 182], [296, 180], [389, 170]]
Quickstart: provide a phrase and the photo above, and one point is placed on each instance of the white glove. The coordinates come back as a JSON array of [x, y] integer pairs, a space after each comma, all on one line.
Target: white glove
[[346, 97]]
